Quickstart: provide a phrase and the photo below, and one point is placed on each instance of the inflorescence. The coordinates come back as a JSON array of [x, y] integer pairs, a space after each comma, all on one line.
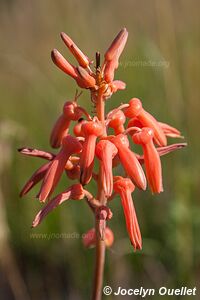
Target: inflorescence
[[91, 140]]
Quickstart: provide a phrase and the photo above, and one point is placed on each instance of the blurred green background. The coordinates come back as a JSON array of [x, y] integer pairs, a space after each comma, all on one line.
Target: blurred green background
[[161, 66]]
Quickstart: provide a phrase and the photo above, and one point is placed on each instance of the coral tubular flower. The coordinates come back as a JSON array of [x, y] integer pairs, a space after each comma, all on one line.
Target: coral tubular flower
[[117, 122], [106, 151], [60, 129], [124, 187], [113, 53], [117, 46], [135, 109], [164, 150], [129, 161], [151, 159], [78, 54], [170, 148], [91, 130], [63, 64], [70, 70], [168, 130], [71, 112], [74, 192], [37, 176], [70, 146], [36, 153], [89, 238]]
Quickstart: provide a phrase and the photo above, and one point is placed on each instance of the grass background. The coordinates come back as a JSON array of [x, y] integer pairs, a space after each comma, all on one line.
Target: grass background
[[160, 65]]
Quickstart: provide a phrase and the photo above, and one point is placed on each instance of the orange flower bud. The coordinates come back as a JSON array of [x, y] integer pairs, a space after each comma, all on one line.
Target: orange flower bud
[[117, 46], [87, 81], [78, 54], [89, 238], [63, 64]]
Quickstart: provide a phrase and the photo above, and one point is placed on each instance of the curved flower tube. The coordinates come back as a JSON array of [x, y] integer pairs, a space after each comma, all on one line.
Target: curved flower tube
[[60, 129], [168, 130], [106, 151], [124, 187], [151, 159], [129, 161], [36, 153], [135, 109], [74, 192], [117, 45], [65, 66], [91, 131], [71, 112], [37, 176], [113, 53], [70, 146], [164, 150]]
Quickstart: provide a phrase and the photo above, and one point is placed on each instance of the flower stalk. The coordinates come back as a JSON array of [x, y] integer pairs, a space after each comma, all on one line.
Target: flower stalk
[[91, 140]]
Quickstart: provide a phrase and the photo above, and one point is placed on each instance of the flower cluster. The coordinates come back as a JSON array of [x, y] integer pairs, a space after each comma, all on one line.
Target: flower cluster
[[105, 138]]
